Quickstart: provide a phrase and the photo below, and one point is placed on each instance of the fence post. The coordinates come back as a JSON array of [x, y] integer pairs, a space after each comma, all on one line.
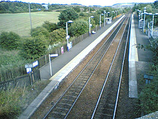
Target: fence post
[[30, 77]]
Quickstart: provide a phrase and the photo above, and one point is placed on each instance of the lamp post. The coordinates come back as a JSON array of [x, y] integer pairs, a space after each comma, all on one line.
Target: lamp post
[[90, 25], [30, 17], [67, 36], [108, 14], [152, 27], [144, 18], [104, 17], [100, 20]]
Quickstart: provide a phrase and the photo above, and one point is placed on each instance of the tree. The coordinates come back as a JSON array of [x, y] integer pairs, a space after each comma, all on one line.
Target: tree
[[57, 36], [149, 97], [33, 47], [66, 15], [50, 26], [77, 8], [156, 4], [40, 31], [9, 40], [79, 27]]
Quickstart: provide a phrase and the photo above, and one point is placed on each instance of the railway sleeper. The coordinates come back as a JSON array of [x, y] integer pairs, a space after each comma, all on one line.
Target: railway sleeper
[[72, 93], [107, 111], [57, 115], [74, 89], [64, 105], [101, 115], [72, 96], [79, 85], [61, 108], [69, 99]]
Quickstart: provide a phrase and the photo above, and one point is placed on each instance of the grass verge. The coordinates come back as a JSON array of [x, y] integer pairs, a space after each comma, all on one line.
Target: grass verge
[[14, 101]]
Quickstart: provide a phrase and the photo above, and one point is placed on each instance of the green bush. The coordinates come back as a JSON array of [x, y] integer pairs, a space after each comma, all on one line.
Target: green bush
[[34, 47], [10, 103], [66, 15], [9, 40], [10, 59], [50, 26], [149, 97], [40, 31], [149, 93], [79, 27], [57, 36]]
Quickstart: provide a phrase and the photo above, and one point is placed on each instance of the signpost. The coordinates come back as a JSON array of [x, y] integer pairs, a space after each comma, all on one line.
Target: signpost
[[30, 66], [50, 56]]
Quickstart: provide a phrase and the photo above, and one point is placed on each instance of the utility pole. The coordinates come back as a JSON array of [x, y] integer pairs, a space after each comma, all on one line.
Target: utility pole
[[30, 18]]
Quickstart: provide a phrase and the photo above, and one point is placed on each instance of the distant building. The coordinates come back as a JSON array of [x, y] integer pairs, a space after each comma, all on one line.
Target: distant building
[[46, 6]]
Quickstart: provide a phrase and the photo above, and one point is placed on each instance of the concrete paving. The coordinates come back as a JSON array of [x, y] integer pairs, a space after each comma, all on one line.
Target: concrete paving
[[64, 64], [139, 59], [133, 57]]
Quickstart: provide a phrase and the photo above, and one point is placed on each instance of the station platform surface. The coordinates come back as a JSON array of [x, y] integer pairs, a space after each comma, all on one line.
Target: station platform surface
[[64, 64], [139, 59]]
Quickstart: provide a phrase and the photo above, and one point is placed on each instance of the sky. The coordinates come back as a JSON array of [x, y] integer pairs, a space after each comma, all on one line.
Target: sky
[[87, 2]]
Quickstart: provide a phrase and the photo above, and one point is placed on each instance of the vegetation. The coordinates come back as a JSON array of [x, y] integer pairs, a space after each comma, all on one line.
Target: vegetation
[[50, 26], [149, 96], [14, 101], [149, 92], [48, 29], [150, 8], [38, 31], [57, 36], [10, 103], [34, 47], [9, 40], [18, 7], [48, 33], [66, 15], [20, 23], [79, 27]]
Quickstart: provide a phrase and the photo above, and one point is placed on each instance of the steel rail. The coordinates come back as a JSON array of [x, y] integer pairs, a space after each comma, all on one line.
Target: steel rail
[[120, 79], [106, 79], [89, 78], [78, 76]]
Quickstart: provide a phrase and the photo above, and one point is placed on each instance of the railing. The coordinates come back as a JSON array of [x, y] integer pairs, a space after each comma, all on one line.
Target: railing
[[8, 76], [21, 81]]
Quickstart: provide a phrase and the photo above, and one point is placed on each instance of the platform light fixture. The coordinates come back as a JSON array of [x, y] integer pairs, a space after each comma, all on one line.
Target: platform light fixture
[[152, 21], [90, 25], [67, 36], [100, 20], [104, 17]]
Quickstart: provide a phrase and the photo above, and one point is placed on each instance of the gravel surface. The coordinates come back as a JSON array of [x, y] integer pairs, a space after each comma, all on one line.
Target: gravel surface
[[126, 107]]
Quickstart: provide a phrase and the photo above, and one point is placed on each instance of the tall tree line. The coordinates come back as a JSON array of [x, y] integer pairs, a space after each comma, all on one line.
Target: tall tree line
[[18, 7]]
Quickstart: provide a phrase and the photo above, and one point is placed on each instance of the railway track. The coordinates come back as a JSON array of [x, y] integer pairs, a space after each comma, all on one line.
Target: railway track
[[69, 102], [107, 102]]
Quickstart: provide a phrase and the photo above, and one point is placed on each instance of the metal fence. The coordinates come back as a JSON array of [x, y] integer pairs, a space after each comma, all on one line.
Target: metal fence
[[8, 76], [21, 81]]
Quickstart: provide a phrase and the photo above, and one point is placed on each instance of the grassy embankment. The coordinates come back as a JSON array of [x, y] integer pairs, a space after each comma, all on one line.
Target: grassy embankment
[[20, 22], [14, 101]]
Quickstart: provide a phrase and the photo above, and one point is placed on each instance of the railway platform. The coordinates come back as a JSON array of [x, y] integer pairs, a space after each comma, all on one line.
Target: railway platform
[[139, 59], [68, 61]]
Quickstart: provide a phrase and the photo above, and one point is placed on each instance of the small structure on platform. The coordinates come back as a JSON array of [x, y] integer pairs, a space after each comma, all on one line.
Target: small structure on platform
[[153, 33], [108, 20], [141, 23]]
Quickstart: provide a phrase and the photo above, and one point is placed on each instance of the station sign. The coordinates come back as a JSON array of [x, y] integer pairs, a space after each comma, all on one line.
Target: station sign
[[30, 66]]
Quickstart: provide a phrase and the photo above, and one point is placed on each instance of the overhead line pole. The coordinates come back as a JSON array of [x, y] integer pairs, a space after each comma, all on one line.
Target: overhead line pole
[[30, 17]]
